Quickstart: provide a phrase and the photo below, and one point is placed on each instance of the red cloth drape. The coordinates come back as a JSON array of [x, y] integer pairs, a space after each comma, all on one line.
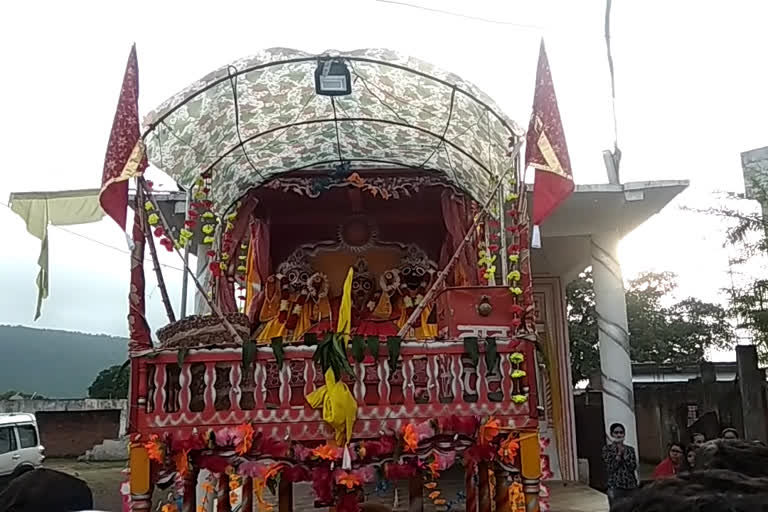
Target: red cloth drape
[[258, 255], [140, 336], [457, 215], [225, 289]]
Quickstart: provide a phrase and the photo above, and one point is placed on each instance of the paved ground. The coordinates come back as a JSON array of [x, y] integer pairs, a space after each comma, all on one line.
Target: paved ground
[[105, 480]]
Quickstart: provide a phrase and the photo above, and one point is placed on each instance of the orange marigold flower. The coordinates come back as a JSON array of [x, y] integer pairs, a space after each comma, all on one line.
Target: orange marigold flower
[[207, 487], [508, 449], [182, 463], [410, 437], [434, 495], [430, 485], [246, 431], [200, 508], [325, 452], [489, 431], [439, 502], [155, 449], [234, 484], [349, 480], [171, 507]]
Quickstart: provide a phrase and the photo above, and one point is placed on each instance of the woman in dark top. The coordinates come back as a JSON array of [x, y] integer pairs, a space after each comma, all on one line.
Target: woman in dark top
[[690, 457], [620, 464]]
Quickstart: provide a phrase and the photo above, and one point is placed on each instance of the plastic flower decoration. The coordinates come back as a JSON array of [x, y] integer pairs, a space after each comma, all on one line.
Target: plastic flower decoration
[[153, 219], [519, 399], [410, 437], [348, 480], [516, 357], [326, 452], [489, 431], [516, 290], [514, 275], [208, 228], [518, 374], [148, 206], [208, 240]]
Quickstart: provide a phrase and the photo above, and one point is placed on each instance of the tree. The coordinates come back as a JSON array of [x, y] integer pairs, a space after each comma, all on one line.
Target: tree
[[678, 334], [111, 383], [747, 234]]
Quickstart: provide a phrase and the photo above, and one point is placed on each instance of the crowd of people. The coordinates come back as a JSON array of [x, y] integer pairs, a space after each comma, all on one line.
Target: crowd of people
[[726, 474]]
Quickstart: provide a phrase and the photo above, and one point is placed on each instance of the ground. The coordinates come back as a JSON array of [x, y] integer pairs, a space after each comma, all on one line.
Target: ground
[[105, 479]]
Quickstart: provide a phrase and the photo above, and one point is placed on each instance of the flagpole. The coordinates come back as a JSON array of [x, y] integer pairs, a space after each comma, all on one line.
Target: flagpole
[[443, 274], [185, 272]]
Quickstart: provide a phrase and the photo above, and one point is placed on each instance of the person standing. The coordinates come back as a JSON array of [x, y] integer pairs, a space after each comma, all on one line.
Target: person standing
[[670, 466], [729, 434], [698, 439], [620, 465], [690, 457]]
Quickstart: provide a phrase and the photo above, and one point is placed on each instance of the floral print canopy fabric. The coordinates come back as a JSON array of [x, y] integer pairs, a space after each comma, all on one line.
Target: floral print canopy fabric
[[259, 117]]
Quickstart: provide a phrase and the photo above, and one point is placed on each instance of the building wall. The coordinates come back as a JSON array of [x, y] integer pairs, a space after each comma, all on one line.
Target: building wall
[[71, 433], [70, 427]]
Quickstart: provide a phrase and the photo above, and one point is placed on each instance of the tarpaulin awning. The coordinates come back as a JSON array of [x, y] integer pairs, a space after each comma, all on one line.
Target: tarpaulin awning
[[259, 117]]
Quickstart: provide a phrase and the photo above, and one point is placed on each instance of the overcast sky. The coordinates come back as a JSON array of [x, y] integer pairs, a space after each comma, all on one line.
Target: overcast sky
[[690, 75]]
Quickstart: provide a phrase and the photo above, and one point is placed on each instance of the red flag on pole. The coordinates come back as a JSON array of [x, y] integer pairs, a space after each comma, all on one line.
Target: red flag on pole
[[125, 157], [546, 150]]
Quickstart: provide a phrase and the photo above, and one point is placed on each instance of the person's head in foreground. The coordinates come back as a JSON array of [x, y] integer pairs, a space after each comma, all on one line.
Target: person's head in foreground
[[676, 453], [713, 490], [729, 434], [46, 490], [690, 457], [746, 457], [698, 439]]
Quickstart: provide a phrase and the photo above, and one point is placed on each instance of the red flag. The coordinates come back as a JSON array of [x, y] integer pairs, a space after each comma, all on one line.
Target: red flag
[[125, 152], [545, 147]]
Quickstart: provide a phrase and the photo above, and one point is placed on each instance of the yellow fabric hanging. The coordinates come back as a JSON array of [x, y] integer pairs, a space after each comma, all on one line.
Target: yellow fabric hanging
[[339, 407], [338, 403], [345, 309]]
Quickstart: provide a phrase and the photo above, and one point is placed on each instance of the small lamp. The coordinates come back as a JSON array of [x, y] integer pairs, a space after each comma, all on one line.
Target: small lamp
[[332, 78]]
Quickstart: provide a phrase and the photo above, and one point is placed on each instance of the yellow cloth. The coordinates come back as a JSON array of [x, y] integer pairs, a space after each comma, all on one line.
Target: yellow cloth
[[252, 277], [345, 309], [339, 407], [38, 209]]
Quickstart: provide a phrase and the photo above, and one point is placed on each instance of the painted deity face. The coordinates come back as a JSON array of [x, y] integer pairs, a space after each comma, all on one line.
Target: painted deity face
[[416, 270], [362, 290], [296, 272]]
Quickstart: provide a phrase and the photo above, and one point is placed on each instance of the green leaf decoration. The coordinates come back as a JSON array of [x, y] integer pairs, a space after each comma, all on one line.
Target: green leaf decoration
[[249, 353], [358, 348], [472, 350], [181, 355], [373, 347], [393, 348], [277, 349], [491, 355], [310, 339]]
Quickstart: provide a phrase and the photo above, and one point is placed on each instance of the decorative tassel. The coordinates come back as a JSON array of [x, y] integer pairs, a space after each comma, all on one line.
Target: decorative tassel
[[346, 459], [536, 238]]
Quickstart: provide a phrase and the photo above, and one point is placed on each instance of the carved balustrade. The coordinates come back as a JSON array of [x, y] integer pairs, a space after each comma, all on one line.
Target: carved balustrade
[[211, 388]]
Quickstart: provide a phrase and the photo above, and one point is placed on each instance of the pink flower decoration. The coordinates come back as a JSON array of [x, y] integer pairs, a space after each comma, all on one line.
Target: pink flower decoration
[[301, 452], [366, 474], [252, 469], [228, 437], [424, 430], [444, 460]]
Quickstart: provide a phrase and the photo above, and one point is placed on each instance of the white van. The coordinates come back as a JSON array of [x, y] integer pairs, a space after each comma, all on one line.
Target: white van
[[20, 448]]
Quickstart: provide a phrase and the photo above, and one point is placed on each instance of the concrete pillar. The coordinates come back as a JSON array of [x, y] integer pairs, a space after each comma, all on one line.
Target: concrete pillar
[[752, 391], [203, 275], [613, 336]]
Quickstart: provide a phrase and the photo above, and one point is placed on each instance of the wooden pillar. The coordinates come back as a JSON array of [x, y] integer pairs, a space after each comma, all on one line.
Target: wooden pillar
[[222, 497], [470, 488], [502, 490], [285, 496], [484, 487], [415, 494], [141, 484], [247, 495], [189, 491], [530, 465]]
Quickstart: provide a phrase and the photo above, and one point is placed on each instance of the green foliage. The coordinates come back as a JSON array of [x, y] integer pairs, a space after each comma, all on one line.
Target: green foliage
[[677, 334], [111, 383]]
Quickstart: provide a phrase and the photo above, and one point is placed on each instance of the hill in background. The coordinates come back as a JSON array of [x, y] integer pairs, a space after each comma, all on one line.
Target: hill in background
[[55, 364]]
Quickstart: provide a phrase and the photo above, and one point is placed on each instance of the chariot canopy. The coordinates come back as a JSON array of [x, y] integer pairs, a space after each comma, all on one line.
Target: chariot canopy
[[260, 117]]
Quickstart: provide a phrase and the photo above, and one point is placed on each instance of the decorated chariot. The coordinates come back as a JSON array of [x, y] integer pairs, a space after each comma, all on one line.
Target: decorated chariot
[[365, 308]]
